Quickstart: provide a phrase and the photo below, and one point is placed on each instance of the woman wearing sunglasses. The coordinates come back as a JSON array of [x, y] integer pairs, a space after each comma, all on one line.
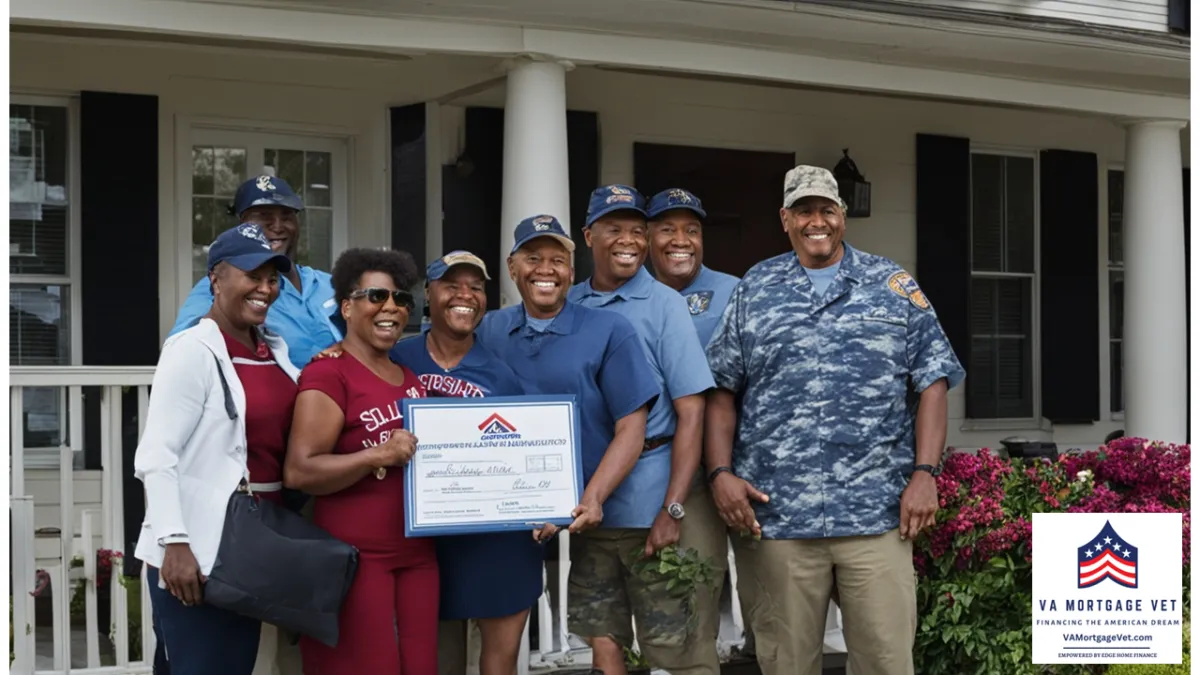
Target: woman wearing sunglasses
[[347, 447]]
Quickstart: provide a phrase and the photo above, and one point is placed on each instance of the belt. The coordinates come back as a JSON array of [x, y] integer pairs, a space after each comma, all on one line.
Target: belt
[[652, 443], [260, 487]]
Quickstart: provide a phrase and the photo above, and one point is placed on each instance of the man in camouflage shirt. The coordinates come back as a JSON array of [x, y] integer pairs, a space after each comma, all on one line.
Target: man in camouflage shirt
[[843, 369]]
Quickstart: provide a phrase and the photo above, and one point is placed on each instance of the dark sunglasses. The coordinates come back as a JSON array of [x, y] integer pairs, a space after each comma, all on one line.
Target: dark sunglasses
[[378, 296]]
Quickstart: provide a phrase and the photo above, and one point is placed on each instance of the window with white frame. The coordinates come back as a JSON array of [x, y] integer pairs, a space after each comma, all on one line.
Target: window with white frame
[[1116, 291], [315, 167], [1003, 319], [43, 256]]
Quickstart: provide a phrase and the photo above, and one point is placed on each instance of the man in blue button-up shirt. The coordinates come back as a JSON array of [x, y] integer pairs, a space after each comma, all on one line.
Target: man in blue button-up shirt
[[649, 506], [843, 369], [301, 314]]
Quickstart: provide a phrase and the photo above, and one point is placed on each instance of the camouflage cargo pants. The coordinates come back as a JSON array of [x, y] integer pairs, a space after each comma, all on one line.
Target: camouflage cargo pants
[[604, 594]]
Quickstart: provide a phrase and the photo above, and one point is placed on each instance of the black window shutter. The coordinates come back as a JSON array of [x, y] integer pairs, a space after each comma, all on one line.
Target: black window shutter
[[409, 180], [118, 214], [1179, 16], [1070, 311], [583, 166], [944, 233]]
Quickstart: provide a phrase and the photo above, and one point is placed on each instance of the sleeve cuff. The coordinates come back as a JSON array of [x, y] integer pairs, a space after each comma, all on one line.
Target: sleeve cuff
[[162, 507]]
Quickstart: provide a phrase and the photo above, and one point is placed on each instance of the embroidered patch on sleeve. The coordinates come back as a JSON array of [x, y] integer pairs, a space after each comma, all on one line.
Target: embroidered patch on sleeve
[[903, 284]]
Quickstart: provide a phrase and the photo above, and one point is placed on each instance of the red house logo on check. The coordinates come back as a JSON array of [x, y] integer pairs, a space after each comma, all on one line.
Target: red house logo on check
[[496, 425]]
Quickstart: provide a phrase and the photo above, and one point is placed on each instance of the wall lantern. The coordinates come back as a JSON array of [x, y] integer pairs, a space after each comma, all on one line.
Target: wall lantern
[[854, 190]]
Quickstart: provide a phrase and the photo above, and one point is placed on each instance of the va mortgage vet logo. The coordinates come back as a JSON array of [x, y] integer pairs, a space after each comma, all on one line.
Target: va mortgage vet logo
[[1107, 588], [1107, 556], [496, 427]]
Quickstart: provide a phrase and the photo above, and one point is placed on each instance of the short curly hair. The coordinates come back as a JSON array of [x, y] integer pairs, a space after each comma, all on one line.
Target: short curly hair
[[355, 262]]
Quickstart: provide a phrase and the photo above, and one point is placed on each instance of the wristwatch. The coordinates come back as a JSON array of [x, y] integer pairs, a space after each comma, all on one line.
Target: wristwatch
[[675, 510], [934, 471]]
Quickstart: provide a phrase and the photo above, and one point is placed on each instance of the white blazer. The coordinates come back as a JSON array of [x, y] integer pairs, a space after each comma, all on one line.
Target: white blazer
[[191, 456]]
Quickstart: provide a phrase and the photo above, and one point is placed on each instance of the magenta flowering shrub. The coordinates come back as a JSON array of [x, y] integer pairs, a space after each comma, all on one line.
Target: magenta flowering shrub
[[974, 566]]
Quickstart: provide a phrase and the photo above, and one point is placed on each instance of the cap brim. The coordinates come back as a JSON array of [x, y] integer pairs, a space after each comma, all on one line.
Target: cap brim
[[695, 209], [252, 261], [613, 208], [292, 202], [459, 264], [565, 241]]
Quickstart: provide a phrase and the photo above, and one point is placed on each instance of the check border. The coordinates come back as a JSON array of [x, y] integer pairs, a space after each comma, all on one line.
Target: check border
[[488, 404]]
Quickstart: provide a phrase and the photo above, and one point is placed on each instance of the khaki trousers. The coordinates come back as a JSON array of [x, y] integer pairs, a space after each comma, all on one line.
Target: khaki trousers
[[791, 581]]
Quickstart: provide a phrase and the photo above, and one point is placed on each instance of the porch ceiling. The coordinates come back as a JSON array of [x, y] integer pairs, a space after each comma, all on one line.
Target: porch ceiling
[[769, 40]]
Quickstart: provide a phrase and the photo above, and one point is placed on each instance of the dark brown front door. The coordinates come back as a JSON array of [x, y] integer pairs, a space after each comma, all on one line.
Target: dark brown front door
[[742, 191]]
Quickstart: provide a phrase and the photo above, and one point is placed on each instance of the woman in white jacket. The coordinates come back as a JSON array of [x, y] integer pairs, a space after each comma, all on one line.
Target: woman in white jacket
[[192, 456]]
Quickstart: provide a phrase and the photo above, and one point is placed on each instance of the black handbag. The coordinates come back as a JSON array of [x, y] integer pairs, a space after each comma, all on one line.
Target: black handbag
[[275, 566]]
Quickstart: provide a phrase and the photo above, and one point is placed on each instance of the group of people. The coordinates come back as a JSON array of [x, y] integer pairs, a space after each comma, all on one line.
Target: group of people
[[798, 413]]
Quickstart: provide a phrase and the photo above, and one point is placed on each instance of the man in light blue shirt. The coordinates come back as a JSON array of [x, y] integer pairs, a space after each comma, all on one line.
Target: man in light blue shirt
[[301, 314], [649, 506]]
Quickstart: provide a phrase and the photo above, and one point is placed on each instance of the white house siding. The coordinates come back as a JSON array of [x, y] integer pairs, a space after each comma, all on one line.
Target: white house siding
[[1149, 15], [350, 96]]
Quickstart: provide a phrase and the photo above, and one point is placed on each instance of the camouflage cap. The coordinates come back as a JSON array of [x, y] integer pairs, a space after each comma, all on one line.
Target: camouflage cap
[[810, 181]]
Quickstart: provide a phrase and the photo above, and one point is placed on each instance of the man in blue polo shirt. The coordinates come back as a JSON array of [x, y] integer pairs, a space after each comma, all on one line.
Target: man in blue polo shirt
[[650, 505], [558, 347], [677, 256], [301, 314]]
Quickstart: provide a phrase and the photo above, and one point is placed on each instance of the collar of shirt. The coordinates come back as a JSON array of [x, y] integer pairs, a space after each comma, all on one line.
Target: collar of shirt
[[475, 357], [700, 282], [637, 288], [792, 271], [563, 323]]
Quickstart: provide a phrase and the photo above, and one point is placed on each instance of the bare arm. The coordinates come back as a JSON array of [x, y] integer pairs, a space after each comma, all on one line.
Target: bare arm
[[685, 450], [919, 501], [720, 422], [620, 457], [311, 465], [931, 424]]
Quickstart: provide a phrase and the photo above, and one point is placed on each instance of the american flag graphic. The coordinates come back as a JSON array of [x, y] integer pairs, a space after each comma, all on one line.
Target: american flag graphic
[[1108, 556]]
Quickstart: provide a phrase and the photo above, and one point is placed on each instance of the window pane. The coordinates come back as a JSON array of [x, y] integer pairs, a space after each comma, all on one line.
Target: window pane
[[1116, 209], [202, 170], [1015, 378], [229, 171], [1000, 369], [987, 212], [316, 238], [1001, 307], [38, 190], [39, 329], [1116, 376], [310, 175], [1116, 304], [1018, 211], [317, 177]]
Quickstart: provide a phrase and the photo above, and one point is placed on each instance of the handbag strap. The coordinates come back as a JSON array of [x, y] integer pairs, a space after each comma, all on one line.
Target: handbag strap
[[230, 408]]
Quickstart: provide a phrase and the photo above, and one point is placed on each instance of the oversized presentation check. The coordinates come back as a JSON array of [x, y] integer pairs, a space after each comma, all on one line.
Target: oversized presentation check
[[491, 464]]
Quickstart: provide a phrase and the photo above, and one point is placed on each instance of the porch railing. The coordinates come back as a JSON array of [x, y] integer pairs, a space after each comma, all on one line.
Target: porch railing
[[555, 646], [37, 570]]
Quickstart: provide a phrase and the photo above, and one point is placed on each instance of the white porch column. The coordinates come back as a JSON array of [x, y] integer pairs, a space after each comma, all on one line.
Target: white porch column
[[535, 154], [1155, 329]]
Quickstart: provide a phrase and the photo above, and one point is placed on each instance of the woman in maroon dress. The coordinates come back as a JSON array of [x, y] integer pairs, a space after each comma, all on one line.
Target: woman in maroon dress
[[347, 447]]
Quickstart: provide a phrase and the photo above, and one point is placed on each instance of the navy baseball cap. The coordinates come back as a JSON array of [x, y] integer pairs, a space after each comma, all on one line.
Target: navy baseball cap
[[438, 268], [674, 198], [540, 226], [266, 190], [611, 198], [246, 248]]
